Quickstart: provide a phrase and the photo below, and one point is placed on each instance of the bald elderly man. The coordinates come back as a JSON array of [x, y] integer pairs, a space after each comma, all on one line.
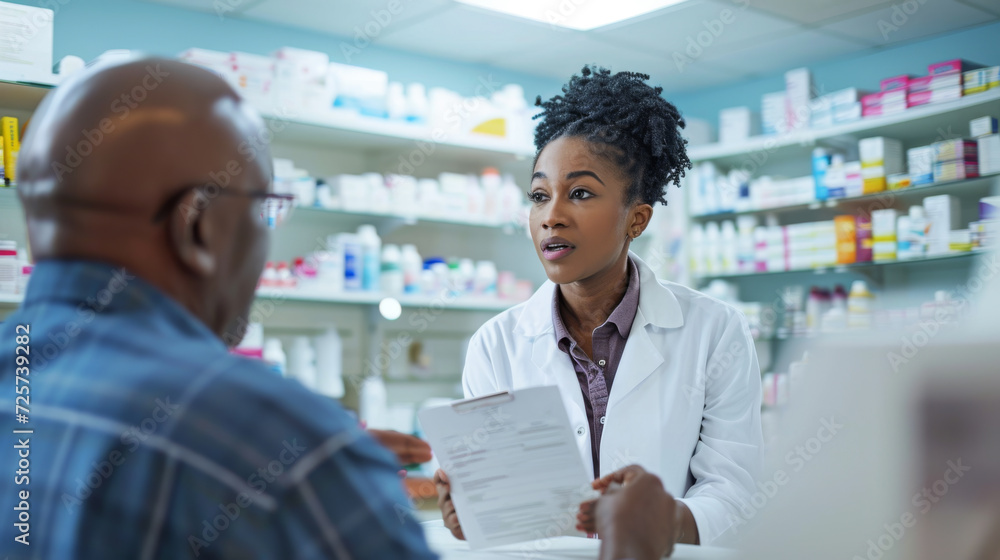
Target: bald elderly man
[[148, 439]]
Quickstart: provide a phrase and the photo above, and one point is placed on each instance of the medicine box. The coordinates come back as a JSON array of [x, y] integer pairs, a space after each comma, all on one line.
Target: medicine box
[[934, 96], [26, 55], [895, 83], [863, 235], [942, 217], [957, 65], [884, 224], [989, 154], [881, 152], [844, 228], [983, 126], [955, 170], [927, 83], [799, 91], [958, 148], [735, 124], [977, 81], [921, 164]]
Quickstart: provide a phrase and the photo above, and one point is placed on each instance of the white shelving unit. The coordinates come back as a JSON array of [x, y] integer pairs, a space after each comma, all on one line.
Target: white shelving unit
[[348, 143], [845, 268], [943, 119]]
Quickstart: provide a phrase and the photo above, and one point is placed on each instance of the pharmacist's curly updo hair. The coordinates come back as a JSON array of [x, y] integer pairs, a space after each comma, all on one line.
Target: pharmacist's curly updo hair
[[622, 112]]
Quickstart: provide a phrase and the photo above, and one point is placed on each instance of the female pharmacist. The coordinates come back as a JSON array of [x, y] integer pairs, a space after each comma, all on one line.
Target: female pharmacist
[[651, 373]]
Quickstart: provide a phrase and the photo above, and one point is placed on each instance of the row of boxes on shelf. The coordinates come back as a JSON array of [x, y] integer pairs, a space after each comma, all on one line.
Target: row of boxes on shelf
[[488, 198], [880, 166], [931, 229], [945, 81], [358, 262], [306, 81], [795, 108]]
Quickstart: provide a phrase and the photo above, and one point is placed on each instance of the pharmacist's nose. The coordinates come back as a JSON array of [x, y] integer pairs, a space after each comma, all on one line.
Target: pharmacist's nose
[[554, 214]]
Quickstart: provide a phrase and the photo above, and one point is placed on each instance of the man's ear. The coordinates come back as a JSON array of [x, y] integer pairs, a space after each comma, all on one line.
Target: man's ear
[[191, 234]]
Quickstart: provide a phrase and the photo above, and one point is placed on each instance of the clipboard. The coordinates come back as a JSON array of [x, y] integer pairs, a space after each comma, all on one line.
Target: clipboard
[[515, 469]]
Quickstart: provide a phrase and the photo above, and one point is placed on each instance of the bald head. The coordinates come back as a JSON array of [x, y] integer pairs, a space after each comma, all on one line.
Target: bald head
[[158, 166]]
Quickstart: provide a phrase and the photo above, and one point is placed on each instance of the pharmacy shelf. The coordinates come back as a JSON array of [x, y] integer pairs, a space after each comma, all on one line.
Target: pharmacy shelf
[[885, 198], [323, 213], [357, 132], [22, 96], [338, 129], [941, 120], [465, 303], [11, 299], [844, 268]]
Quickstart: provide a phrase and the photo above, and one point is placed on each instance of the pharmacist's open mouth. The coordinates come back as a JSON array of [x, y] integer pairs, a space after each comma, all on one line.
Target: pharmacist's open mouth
[[556, 248]]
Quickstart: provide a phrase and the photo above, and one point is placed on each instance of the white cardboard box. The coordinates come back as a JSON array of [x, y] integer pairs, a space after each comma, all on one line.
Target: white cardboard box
[[25, 43]]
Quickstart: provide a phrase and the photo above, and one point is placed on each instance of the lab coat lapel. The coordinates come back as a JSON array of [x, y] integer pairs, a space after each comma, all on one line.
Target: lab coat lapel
[[639, 360]]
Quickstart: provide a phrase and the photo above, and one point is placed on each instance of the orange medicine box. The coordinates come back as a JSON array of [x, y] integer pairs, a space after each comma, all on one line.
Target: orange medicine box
[[846, 239]]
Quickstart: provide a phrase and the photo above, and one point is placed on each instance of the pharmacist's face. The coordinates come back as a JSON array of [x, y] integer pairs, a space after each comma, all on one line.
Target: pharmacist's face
[[578, 214]]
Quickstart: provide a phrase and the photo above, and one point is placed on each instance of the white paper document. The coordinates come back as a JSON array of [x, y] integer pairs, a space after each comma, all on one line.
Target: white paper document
[[516, 474]]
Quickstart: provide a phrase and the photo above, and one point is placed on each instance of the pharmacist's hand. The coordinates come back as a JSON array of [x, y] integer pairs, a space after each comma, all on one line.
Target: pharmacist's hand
[[635, 518], [447, 506], [408, 449]]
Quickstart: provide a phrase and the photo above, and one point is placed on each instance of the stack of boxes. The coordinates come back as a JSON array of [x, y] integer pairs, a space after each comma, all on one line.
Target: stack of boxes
[[884, 235], [980, 80], [955, 159], [799, 94], [942, 216], [880, 157], [943, 82], [920, 161], [835, 108], [984, 130], [889, 101]]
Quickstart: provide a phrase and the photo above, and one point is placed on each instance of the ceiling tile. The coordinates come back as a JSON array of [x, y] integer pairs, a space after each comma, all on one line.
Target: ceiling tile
[[712, 24], [780, 53], [891, 25], [370, 18], [472, 34], [220, 7], [991, 6], [563, 60], [816, 11]]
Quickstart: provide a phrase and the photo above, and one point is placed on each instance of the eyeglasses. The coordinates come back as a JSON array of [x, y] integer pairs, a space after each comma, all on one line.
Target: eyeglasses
[[272, 209]]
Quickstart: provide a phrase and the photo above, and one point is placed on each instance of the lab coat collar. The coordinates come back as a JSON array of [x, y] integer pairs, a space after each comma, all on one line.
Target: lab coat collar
[[657, 305]]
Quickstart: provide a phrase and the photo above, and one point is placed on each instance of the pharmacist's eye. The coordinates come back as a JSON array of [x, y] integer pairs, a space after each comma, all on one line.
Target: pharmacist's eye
[[536, 197], [580, 194]]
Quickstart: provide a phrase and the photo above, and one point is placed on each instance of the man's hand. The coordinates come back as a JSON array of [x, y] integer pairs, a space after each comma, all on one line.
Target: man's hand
[[635, 516], [408, 449], [447, 506]]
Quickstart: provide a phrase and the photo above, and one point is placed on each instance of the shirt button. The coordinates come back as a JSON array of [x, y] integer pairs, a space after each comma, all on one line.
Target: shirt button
[[580, 431], [600, 363], [602, 420]]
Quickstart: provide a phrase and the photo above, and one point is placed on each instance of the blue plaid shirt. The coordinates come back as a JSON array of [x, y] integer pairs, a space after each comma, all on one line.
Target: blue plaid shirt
[[150, 440]]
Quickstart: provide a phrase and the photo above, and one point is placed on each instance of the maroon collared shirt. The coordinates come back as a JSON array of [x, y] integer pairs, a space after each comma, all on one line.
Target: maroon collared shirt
[[596, 375]]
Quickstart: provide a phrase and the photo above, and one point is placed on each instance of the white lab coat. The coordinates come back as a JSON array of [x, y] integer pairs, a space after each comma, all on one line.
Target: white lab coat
[[685, 403]]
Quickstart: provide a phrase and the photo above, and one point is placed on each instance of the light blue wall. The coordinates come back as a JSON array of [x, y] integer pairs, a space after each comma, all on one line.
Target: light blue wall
[[87, 28], [979, 44]]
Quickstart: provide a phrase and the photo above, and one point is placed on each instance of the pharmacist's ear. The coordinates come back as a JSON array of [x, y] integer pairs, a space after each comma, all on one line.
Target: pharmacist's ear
[[639, 217], [191, 233]]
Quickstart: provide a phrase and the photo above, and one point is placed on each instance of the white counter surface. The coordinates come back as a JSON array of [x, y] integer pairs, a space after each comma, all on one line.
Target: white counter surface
[[559, 548]]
